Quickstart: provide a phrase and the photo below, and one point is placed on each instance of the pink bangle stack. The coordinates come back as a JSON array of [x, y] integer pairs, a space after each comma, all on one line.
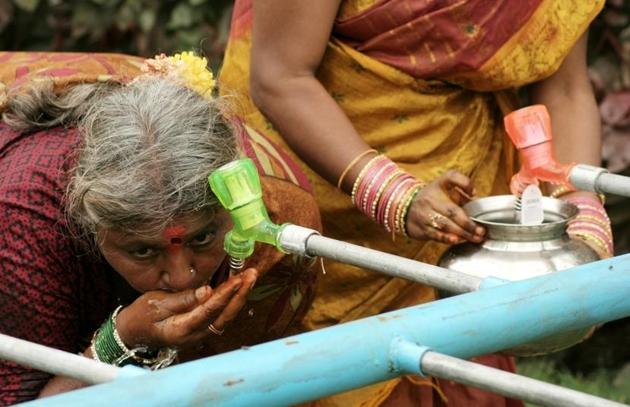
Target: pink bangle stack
[[384, 192], [592, 225]]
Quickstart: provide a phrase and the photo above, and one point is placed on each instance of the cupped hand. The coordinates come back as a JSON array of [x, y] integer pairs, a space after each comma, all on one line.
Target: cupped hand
[[158, 318], [435, 213]]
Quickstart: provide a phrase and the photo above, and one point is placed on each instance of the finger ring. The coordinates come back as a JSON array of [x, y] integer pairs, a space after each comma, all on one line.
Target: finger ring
[[436, 220], [215, 331]]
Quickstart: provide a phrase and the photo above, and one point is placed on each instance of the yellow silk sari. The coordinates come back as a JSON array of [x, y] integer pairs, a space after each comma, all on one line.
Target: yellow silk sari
[[449, 118]]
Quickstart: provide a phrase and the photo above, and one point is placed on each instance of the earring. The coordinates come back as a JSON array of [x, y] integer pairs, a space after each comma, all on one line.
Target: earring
[[192, 270]]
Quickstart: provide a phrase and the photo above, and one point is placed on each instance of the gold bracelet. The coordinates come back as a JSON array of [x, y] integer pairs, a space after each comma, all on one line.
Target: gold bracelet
[[371, 185], [362, 173], [381, 189], [352, 164], [400, 224], [588, 227], [597, 241], [595, 220], [563, 190], [585, 206], [388, 207]]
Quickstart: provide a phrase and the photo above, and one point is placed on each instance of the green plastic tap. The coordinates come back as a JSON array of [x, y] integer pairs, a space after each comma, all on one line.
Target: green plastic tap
[[237, 186]]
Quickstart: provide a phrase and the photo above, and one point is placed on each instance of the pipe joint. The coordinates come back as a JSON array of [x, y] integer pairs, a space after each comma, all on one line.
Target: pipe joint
[[406, 356], [293, 238], [584, 177]]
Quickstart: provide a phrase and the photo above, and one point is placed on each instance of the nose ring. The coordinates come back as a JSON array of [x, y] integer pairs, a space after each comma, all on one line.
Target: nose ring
[[192, 270]]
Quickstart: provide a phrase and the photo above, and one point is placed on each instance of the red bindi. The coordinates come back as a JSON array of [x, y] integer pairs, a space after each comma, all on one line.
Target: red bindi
[[174, 235]]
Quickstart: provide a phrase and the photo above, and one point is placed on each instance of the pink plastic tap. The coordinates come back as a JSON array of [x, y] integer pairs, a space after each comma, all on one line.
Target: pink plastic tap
[[529, 129]]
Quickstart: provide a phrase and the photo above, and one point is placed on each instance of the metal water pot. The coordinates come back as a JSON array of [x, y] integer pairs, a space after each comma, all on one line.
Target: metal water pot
[[514, 252]]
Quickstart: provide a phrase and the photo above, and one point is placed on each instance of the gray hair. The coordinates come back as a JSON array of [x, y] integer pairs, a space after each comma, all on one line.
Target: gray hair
[[40, 107], [148, 148]]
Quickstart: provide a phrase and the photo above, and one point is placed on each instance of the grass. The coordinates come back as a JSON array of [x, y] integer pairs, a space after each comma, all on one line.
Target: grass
[[602, 383]]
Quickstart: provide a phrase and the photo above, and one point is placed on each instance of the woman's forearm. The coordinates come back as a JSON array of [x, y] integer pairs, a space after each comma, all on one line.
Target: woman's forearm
[[574, 114], [312, 123], [576, 125], [289, 40]]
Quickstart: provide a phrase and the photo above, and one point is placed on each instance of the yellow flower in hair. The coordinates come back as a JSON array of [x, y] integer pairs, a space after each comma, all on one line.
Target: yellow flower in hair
[[194, 70], [186, 68]]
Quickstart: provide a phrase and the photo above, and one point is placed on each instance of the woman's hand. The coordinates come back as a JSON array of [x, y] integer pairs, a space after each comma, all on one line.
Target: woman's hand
[[158, 318], [436, 214]]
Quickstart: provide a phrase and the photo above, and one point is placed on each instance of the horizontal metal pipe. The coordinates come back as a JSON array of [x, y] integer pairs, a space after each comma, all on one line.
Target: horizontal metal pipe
[[613, 184], [508, 384], [55, 361], [299, 240], [598, 179], [356, 354]]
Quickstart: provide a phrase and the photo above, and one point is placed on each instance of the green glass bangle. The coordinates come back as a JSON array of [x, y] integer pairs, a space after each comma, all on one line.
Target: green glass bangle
[[105, 348], [405, 213], [108, 347]]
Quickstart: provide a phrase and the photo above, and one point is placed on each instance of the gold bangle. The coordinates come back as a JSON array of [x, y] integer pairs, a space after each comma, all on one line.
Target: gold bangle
[[591, 228], [380, 191], [597, 241], [563, 190], [584, 206], [558, 192], [594, 219], [362, 173], [401, 213], [388, 207], [352, 164], [371, 185]]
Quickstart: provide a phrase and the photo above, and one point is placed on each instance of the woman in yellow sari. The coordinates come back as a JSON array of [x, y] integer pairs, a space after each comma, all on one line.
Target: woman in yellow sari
[[422, 84]]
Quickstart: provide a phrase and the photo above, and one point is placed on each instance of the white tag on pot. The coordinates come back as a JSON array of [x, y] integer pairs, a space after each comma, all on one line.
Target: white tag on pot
[[532, 206]]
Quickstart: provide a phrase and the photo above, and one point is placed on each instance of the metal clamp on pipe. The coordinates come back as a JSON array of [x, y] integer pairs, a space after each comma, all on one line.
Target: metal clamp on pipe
[[408, 357], [585, 177], [293, 239], [509, 384]]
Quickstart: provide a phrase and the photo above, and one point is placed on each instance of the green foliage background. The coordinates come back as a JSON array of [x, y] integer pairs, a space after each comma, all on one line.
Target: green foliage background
[[138, 27]]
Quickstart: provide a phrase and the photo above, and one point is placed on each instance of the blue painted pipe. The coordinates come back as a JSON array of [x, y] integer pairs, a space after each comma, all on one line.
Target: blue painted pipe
[[347, 356]]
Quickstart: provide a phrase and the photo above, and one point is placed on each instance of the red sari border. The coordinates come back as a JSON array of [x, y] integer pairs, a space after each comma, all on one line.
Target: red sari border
[[429, 39]]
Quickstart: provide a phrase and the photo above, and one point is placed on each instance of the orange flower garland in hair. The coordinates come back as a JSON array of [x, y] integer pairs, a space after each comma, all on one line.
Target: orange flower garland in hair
[[185, 68]]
